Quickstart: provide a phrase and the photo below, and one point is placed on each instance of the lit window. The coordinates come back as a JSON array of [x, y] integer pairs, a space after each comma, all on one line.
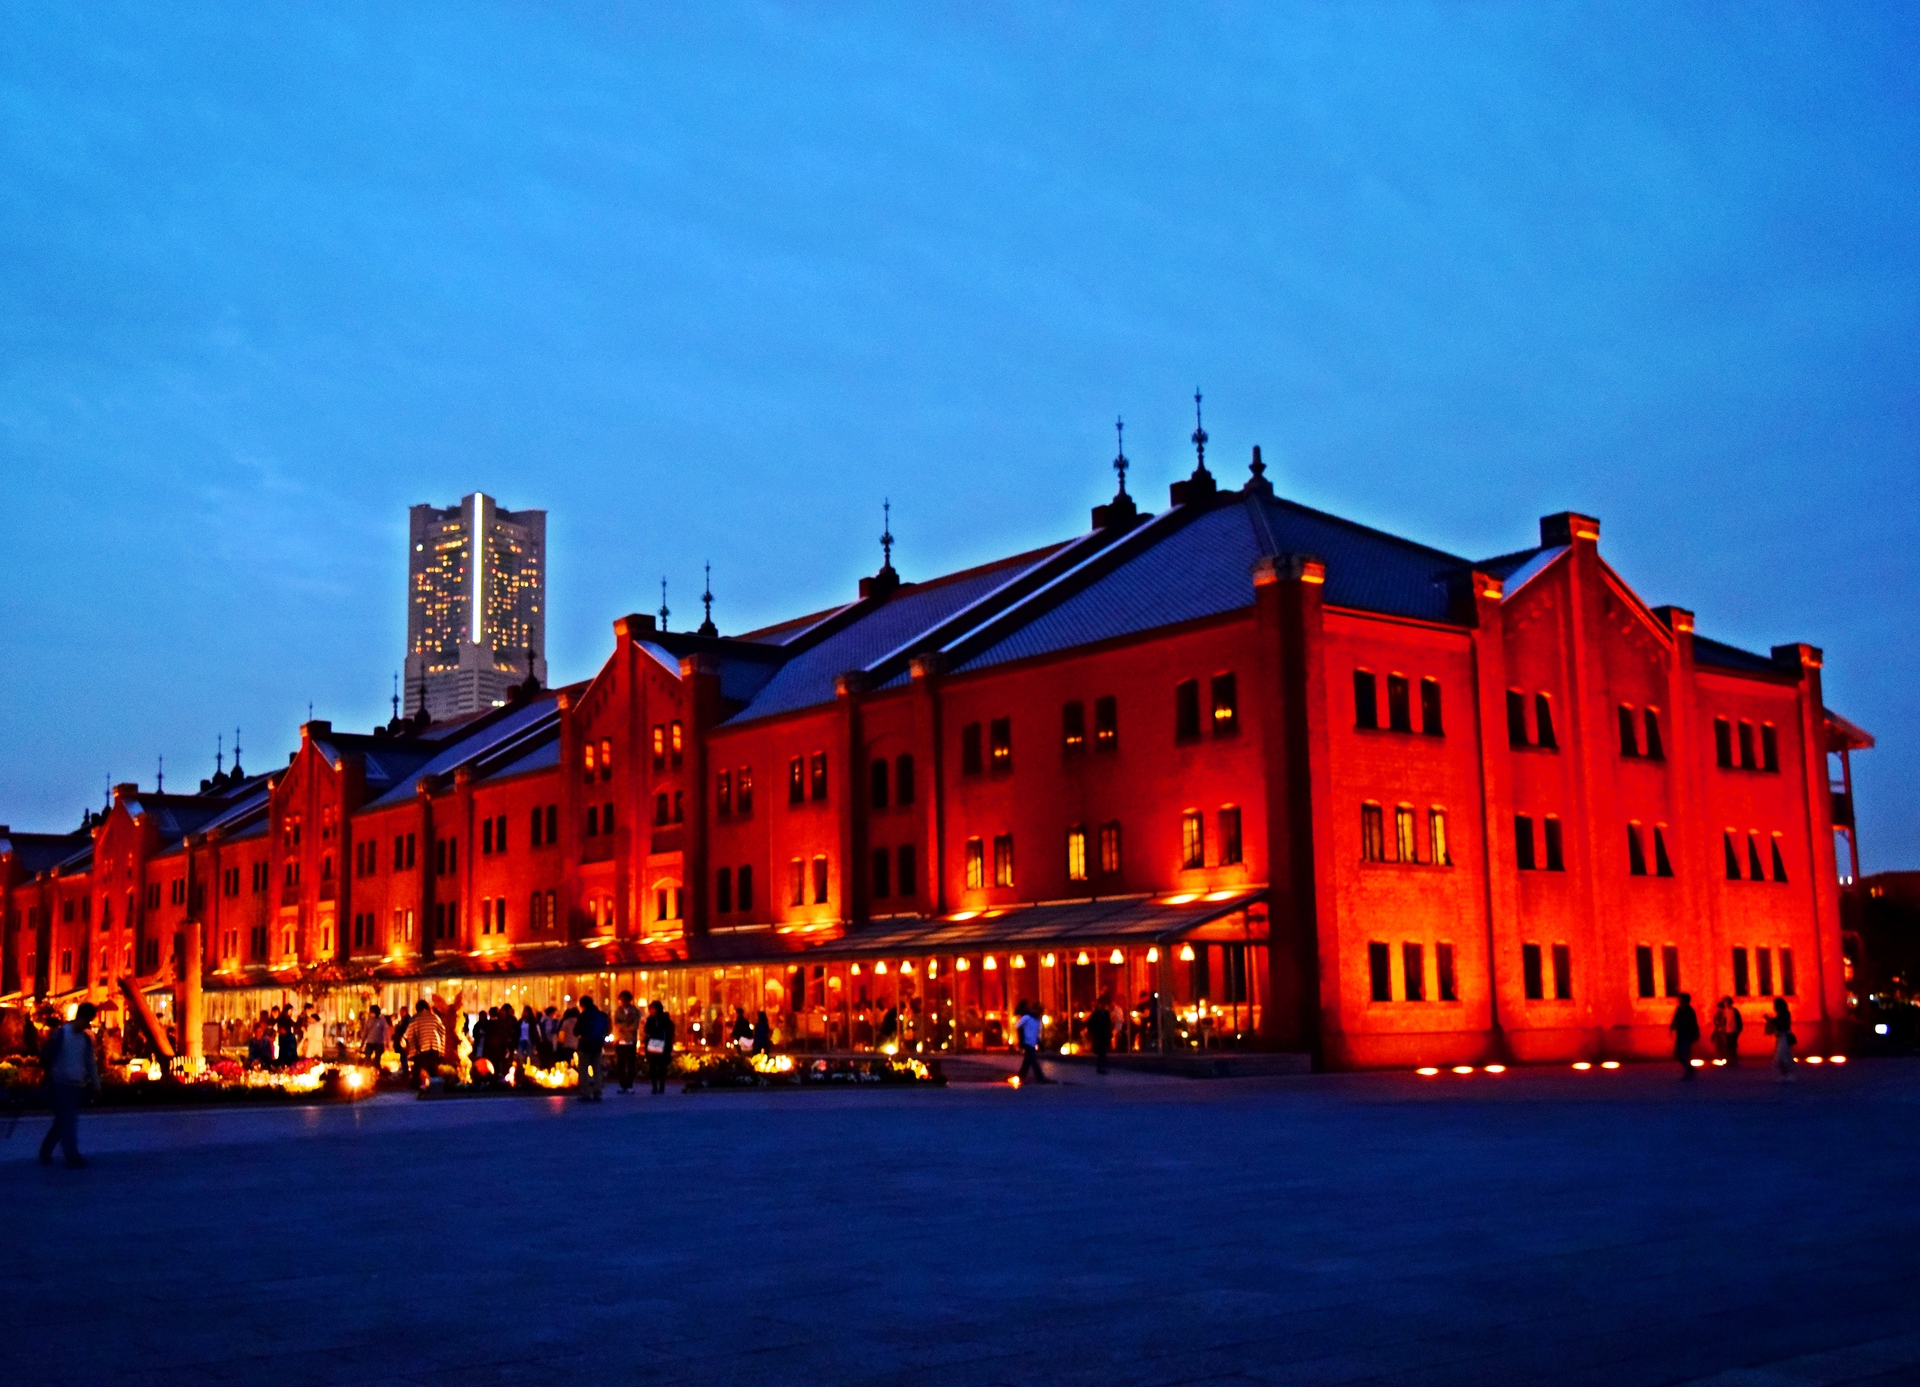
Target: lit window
[[976, 864], [1229, 835], [1110, 849], [1001, 735], [1193, 840], [1106, 723], [1373, 834], [606, 758], [1404, 844], [1003, 859], [1073, 727], [1442, 850], [1226, 704], [1076, 854]]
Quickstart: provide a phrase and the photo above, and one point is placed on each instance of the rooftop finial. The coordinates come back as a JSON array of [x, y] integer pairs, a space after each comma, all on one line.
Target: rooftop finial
[[707, 628], [219, 750], [882, 584], [886, 534], [1120, 463], [1199, 431], [160, 776], [236, 753], [1258, 481], [396, 695], [664, 612]]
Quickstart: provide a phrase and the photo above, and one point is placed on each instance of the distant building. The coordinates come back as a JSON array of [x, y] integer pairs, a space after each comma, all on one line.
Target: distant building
[[476, 604]]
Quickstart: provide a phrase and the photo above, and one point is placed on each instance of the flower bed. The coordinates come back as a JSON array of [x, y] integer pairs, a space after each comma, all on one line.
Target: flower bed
[[140, 1083], [733, 1071]]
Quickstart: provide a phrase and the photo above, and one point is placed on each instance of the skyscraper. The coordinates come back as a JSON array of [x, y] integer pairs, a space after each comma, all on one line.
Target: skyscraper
[[476, 606]]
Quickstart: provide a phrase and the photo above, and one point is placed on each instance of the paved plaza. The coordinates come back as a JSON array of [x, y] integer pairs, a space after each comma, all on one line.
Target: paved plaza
[[1616, 1228]]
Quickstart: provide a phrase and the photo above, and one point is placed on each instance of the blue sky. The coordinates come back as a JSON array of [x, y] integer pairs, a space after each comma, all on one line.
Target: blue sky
[[707, 282]]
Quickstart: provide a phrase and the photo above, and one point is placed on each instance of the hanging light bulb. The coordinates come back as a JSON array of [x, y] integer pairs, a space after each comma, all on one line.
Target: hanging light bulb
[[988, 963], [1186, 953], [880, 968], [1018, 961], [961, 965], [1153, 955], [856, 970], [1048, 961], [907, 967], [1117, 958], [1083, 960]]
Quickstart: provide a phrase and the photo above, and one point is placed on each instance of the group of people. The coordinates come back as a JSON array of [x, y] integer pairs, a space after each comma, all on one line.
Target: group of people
[[283, 1037], [1727, 1026]]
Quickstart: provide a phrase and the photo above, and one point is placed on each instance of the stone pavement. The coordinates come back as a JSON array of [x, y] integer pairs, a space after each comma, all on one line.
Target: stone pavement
[[1616, 1228]]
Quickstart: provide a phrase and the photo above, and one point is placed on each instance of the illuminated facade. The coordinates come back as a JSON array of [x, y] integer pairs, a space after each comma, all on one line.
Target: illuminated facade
[[476, 604], [1252, 774]]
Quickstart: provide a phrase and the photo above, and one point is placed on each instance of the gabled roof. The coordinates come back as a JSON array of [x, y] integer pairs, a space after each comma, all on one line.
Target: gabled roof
[[39, 852], [1724, 656], [504, 733]]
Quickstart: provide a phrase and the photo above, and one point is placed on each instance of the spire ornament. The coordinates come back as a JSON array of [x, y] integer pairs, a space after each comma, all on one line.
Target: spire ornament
[[707, 628], [1200, 486], [882, 584], [665, 612], [1199, 433], [1120, 512]]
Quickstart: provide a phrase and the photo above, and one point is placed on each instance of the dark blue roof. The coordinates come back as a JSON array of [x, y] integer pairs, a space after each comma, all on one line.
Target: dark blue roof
[[1723, 656], [510, 725]]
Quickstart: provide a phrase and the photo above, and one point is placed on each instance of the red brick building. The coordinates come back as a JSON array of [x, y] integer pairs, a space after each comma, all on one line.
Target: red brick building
[[1256, 774]]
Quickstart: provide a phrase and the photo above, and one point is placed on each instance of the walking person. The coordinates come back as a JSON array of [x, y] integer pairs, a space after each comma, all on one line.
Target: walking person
[[659, 1036], [564, 1048], [762, 1033], [1736, 1023], [400, 1037], [374, 1036], [742, 1031], [626, 1041], [1100, 1034], [589, 1034], [1027, 1027], [289, 1037], [72, 1073], [1780, 1027], [1686, 1033], [426, 1041], [1719, 1032], [545, 1036]]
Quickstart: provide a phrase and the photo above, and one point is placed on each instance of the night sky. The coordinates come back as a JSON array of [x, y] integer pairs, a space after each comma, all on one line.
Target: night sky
[[710, 282]]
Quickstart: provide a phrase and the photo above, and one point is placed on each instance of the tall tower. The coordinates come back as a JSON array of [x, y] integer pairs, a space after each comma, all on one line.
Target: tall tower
[[476, 604]]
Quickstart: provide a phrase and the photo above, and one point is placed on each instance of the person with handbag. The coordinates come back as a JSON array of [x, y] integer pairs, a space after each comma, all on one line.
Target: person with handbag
[[1780, 1027], [659, 1038]]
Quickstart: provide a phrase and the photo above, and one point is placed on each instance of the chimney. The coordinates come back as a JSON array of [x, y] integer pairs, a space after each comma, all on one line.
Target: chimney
[[1566, 528]]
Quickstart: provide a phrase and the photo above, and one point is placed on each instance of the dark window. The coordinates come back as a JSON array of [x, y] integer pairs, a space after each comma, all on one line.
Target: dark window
[[723, 793], [440, 856], [1399, 714], [1106, 723], [533, 828], [1193, 840], [679, 813], [1643, 969], [1003, 859], [1523, 842], [1413, 971], [907, 878], [877, 775], [1779, 863], [1516, 718], [1662, 864], [819, 778], [500, 834], [743, 791], [1769, 747], [1636, 853], [1629, 732], [819, 881], [1186, 710], [1226, 704], [1742, 984], [1543, 722], [1380, 966], [1746, 745], [1550, 834], [1073, 727], [1430, 722], [1443, 966], [1656, 750], [593, 816], [1229, 836], [486, 837], [1733, 857], [1763, 965], [882, 873], [797, 781], [1531, 972], [1786, 972], [1670, 969], [1366, 700], [553, 830], [1373, 834], [903, 780], [1562, 973], [971, 762], [1000, 734], [746, 888], [1754, 872], [1722, 743], [662, 811]]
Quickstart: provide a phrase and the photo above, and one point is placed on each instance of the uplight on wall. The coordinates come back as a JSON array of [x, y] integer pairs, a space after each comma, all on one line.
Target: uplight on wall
[[1047, 961], [989, 963], [1186, 953], [880, 969], [1153, 955], [1116, 958], [1084, 959], [1017, 961]]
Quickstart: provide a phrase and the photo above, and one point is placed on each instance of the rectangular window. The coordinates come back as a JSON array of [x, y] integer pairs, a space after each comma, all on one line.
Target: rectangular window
[[1399, 713], [976, 864], [903, 779], [1550, 835], [1430, 723], [1543, 723], [1406, 848], [1413, 971], [1373, 834], [971, 761], [1763, 967], [486, 837], [1000, 732], [1193, 840], [1643, 969], [1670, 969], [500, 834], [1636, 853], [1110, 849], [882, 863], [1516, 719], [1754, 872], [907, 878], [1779, 862], [746, 889], [1523, 842], [723, 891], [1655, 748], [1366, 700], [819, 778], [1380, 969], [1746, 745], [533, 828], [659, 748], [588, 759], [1003, 859], [1076, 854], [797, 882], [676, 751], [1629, 732], [1073, 727], [723, 793], [1786, 972], [1186, 710], [662, 811], [1531, 972], [1106, 723], [660, 906], [1437, 838], [1742, 981], [1662, 864], [1769, 747], [820, 881], [1443, 967], [1229, 836], [1723, 743], [1562, 973], [606, 814], [1226, 704], [797, 780], [743, 791], [877, 783], [1732, 857]]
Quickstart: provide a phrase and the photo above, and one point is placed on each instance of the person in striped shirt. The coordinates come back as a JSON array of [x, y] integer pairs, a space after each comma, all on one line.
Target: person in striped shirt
[[426, 1039]]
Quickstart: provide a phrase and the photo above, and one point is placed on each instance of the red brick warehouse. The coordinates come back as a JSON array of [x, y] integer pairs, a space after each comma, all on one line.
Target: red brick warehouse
[[1259, 776]]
